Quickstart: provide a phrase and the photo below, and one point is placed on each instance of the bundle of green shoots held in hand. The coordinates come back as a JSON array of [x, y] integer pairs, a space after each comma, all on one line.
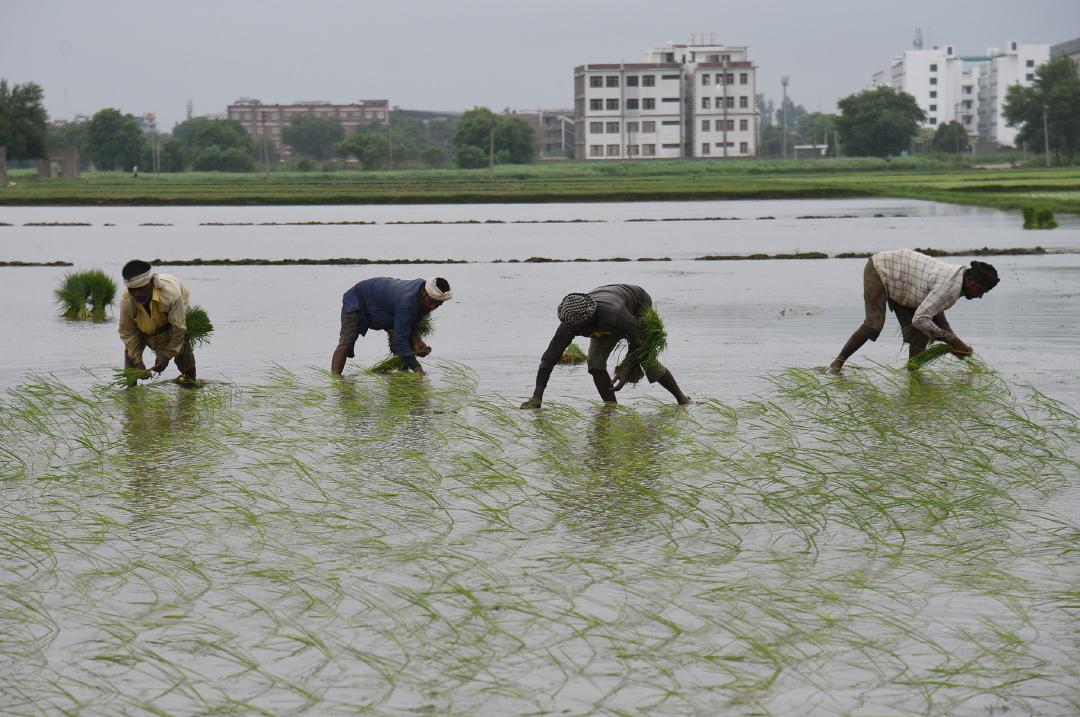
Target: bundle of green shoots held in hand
[[129, 377], [653, 342], [930, 353], [393, 362], [199, 326]]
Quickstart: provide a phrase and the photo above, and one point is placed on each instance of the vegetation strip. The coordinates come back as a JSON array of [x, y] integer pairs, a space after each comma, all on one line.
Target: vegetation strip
[[36, 263]]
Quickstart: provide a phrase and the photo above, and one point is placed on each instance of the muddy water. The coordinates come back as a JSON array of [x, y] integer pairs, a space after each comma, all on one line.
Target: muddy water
[[792, 543]]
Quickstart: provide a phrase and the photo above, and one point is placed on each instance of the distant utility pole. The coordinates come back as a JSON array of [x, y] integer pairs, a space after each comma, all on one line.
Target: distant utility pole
[[389, 143], [783, 108], [1046, 137], [265, 145], [491, 149]]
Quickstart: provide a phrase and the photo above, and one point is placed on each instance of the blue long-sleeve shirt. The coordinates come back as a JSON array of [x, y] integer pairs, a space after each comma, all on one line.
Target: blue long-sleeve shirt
[[385, 303]]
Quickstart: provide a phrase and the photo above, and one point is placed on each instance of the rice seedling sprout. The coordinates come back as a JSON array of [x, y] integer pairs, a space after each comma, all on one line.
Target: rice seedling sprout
[[199, 326], [393, 362]]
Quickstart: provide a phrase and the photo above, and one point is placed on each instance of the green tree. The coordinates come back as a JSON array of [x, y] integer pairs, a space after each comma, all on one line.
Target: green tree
[[772, 141], [950, 138], [185, 132], [313, 136], [435, 157], [22, 120], [371, 148], [69, 136], [766, 108], [878, 122], [471, 157], [791, 112], [1055, 90], [223, 134], [512, 136], [173, 156], [817, 128], [114, 140]]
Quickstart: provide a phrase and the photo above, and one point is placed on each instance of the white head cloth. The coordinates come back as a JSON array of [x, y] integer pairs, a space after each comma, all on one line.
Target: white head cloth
[[141, 280], [435, 293]]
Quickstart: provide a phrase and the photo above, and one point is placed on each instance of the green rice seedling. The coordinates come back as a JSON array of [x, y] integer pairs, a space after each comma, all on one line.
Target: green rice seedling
[[653, 343], [199, 326], [128, 377], [102, 292], [394, 362], [930, 353], [1044, 218], [573, 355], [72, 294], [1029, 217]]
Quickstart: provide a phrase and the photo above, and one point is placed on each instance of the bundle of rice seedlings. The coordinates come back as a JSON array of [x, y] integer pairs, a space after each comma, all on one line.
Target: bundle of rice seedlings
[[199, 327], [102, 291], [653, 342], [393, 362], [573, 355], [128, 377], [930, 353], [72, 294]]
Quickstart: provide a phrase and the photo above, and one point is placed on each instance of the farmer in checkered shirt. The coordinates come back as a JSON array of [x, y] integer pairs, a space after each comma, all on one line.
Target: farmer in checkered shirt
[[918, 289]]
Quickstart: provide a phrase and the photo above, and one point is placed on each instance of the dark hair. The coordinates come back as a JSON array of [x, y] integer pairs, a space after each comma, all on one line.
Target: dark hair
[[134, 268], [442, 284], [983, 273]]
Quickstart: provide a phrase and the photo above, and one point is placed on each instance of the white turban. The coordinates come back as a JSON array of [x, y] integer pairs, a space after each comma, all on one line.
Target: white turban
[[435, 292], [141, 280]]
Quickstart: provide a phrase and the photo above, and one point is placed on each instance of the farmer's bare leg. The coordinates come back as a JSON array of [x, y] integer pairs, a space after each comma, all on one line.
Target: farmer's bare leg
[[668, 382], [185, 361], [874, 299], [602, 380]]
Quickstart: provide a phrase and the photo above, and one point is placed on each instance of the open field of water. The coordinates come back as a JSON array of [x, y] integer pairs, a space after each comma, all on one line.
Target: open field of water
[[280, 541]]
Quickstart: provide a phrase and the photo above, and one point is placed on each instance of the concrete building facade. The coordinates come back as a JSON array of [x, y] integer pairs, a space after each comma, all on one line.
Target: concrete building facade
[[684, 100], [1069, 48], [1016, 64], [554, 130]]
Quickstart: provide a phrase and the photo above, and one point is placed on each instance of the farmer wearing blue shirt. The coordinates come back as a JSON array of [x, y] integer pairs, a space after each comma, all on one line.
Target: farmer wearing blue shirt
[[392, 305]]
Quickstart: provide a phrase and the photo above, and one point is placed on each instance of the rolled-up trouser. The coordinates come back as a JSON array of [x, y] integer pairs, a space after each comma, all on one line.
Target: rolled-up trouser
[[876, 298], [600, 347], [185, 360], [353, 325]]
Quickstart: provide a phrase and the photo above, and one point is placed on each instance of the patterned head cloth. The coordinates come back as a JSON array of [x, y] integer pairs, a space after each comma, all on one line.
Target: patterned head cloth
[[576, 309]]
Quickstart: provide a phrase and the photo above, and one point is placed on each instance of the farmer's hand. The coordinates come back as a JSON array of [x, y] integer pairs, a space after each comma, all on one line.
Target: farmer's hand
[[622, 375], [959, 347], [533, 402], [161, 364], [421, 349]]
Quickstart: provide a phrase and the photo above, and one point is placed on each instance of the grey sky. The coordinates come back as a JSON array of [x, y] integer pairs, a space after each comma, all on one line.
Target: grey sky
[[152, 56]]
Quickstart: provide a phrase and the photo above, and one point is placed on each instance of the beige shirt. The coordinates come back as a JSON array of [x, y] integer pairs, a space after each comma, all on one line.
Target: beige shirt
[[164, 318], [920, 282]]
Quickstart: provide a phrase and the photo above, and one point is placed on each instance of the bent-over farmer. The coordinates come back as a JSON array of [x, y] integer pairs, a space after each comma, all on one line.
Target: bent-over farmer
[[153, 312], [918, 289], [392, 305], [606, 314]]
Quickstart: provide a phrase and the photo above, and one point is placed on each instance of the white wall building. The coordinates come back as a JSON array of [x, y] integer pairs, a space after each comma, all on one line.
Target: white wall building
[[1014, 65], [934, 78], [683, 101]]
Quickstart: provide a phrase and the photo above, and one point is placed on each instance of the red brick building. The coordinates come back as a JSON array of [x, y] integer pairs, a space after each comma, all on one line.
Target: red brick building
[[267, 121]]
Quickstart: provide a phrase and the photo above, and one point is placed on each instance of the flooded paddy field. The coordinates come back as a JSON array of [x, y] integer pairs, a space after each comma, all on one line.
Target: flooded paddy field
[[283, 542]]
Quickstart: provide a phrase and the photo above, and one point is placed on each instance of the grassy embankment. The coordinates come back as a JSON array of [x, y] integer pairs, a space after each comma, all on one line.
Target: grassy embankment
[[947, 180]]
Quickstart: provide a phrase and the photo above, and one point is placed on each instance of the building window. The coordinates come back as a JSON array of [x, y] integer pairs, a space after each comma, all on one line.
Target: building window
[[744, 78], [596, 105], [967, 90], [612, 127], [379, 114], [632, 104], [933, 108], [706, 103], [669, 77], [247, 115], [596, 81], [731, 103], [670, 123], [933, 80], [730, 126], [1030, 63], [596, 128], [744, 102], [259, 129], [670, 99], [613, 150], [648, 126], [275, 130], [596, 150], [631, 127], [1029, 77], [631, 150], [744, 125], [673, 145], [933, 68], [611, 104], [631, 81], [706, 125], [705, 148], [730, 78], [705, 80], [649, 150], [612, 81], [933, 94], [933, 120], [648, 81], [648, 103], [726, 58], [744, 147]]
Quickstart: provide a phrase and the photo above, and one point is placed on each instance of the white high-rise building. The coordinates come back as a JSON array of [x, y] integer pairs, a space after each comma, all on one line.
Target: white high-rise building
[[1005, 68], [935, 78], [684, 100]]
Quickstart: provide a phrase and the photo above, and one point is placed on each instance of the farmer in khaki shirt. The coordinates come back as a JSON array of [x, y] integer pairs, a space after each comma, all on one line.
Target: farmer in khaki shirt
[[153, 312]]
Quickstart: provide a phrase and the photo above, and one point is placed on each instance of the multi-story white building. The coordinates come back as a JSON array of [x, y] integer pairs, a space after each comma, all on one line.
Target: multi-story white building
[[1005, 68], [935, 79], [683, 101]]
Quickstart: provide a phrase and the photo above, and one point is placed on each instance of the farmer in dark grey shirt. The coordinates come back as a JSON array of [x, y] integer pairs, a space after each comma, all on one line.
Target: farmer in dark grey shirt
[[606, 314]]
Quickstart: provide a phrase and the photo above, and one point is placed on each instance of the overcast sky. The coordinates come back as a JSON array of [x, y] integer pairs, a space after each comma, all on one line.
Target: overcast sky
[[152, 56]]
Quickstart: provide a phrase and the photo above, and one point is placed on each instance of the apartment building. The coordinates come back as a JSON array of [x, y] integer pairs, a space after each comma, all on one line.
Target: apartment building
[[266, 121], [554, 130], [684, 100], [1014, 65], [1069, 48]]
